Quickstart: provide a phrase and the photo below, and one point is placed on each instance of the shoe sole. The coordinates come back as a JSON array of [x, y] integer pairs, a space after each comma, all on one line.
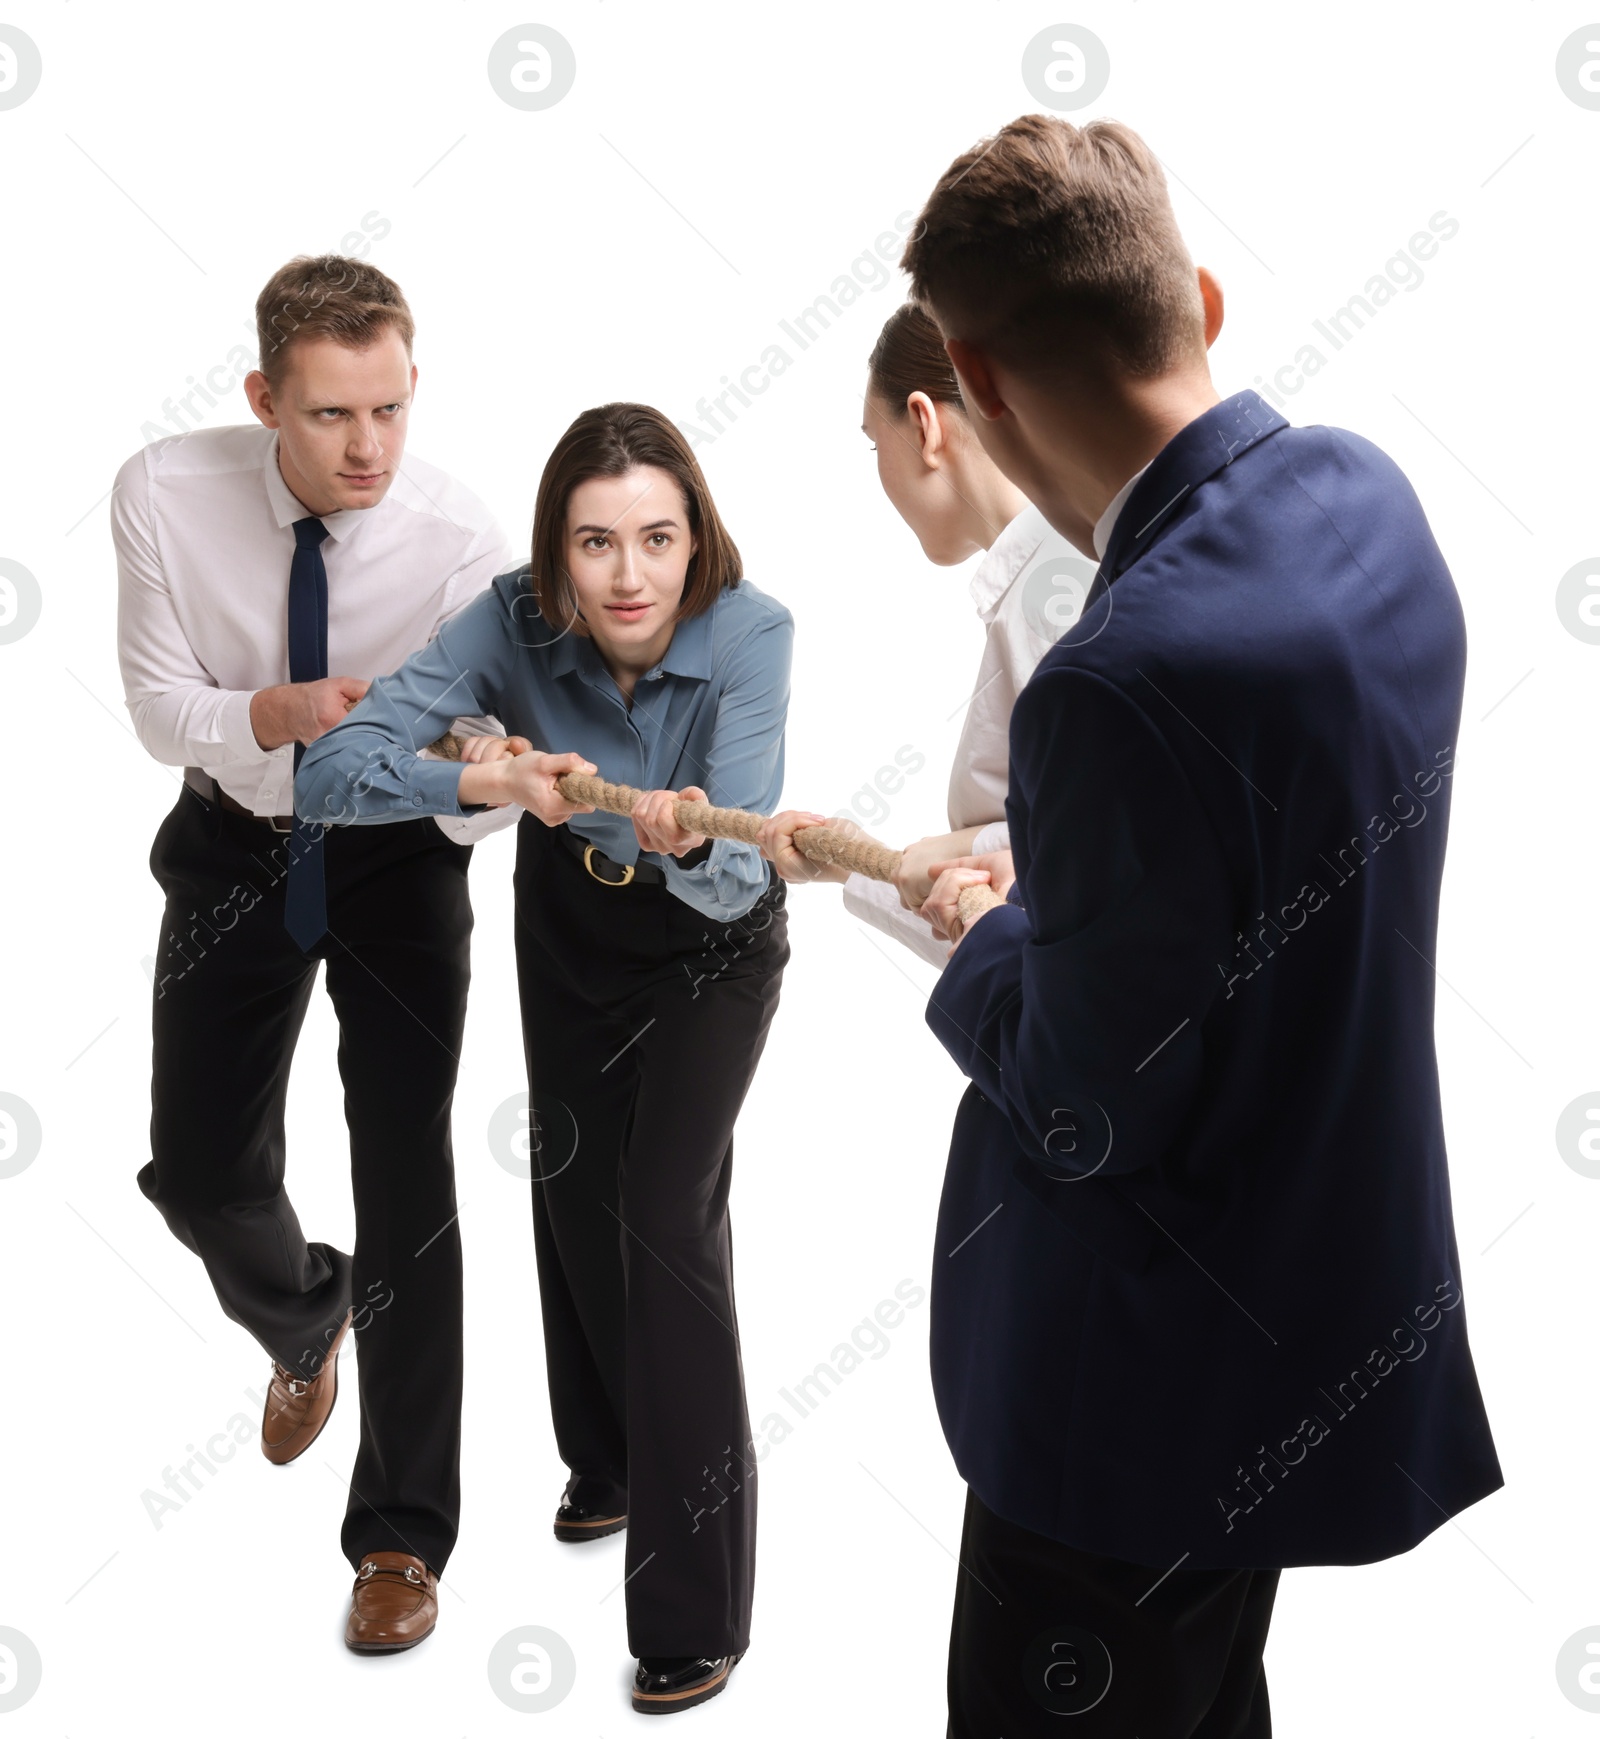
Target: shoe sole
[[575, 1533], [670, 1702], [333, 1354], [386, 1647]]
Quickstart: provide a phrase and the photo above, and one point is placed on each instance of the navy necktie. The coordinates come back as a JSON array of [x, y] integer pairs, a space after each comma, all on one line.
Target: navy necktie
[[305, 902]]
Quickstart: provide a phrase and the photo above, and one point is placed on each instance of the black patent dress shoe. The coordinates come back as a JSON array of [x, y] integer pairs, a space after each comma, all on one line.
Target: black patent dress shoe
[[666, 1683], [575, 1523]]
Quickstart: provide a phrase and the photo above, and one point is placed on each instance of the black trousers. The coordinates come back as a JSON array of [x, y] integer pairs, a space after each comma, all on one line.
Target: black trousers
[[231, 991], [1047, 1639], [643, 1022]]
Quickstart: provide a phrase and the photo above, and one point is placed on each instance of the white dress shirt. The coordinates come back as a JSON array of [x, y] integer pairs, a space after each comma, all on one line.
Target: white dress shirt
[[1014, 646], [202, 525]]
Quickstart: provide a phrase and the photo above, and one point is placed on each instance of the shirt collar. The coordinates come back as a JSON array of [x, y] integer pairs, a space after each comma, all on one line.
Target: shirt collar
[[1198, 451], [1005, 558], [690, 651], [1107, 520], [287, 507]]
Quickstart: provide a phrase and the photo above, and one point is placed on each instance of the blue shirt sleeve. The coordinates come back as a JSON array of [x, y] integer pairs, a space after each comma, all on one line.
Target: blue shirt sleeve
[[366, 769], [743, 769]]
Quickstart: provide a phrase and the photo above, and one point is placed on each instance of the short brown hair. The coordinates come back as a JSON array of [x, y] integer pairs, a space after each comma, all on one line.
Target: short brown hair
[[610, 441], [327, 296], [910, 357], [1050, 243]]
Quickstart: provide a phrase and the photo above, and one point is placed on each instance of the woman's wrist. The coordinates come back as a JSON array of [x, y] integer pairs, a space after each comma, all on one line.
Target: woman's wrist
[[965, 839], [483, 782]]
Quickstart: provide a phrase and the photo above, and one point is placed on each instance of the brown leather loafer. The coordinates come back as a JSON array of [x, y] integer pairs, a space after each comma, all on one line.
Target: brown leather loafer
[[394, 1604], [298, 1408]]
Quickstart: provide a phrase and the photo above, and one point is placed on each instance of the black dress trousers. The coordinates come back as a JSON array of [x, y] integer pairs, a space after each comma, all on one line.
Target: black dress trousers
[[644, 1021], [231, 991], [1050, 1640]]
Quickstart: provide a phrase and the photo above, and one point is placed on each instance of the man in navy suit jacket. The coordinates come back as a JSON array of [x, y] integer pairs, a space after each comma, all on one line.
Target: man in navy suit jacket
[[1197, 1309]]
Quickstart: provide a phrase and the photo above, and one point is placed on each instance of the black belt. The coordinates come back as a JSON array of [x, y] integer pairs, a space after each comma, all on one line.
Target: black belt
[[605, 869], [203, 785]]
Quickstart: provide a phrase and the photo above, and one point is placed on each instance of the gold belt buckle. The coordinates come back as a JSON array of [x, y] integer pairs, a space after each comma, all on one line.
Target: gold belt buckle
[[588, 864]]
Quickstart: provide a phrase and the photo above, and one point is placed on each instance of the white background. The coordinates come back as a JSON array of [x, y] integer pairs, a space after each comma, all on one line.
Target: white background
[[711, 172]]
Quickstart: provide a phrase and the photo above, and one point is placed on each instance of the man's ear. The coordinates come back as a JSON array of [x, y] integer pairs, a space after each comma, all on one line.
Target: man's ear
[[259, 393], [1211, 296], [977, 379]]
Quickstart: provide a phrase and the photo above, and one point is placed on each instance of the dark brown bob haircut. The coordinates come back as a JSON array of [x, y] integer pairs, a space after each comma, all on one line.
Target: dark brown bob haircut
[[910, 357], [610, 441], [1055, 247], [327, 296]]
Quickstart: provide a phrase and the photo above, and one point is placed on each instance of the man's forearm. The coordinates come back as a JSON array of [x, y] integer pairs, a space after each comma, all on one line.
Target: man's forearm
[[299, 712], [270, 716]]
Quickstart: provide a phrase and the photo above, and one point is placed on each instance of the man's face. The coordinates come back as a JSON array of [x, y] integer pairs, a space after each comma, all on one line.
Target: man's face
[[341, 419]]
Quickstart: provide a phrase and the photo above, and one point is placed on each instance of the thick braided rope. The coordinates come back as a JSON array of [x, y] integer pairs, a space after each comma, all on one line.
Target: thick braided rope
[[824, 845]]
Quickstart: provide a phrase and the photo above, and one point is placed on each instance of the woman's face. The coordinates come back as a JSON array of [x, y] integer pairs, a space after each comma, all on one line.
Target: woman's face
[[920, 451], [628, 548]]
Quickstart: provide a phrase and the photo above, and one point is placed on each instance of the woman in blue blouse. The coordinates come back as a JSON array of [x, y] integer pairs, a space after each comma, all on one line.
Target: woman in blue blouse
[[648, 965]]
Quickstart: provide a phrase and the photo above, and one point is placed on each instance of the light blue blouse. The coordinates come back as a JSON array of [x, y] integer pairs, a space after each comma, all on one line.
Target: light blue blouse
[[711, 714]]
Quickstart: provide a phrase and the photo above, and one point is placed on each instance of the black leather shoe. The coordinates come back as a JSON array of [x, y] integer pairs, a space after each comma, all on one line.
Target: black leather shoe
[[575, 1523], [666, 1683]]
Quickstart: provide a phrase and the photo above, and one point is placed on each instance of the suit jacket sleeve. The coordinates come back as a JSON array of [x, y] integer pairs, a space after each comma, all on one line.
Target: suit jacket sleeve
[[1079, 1011]]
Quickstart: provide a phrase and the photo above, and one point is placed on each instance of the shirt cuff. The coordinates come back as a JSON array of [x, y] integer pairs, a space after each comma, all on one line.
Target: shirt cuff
[[434, 788], [716, 887], [992, 836], [233, 722]]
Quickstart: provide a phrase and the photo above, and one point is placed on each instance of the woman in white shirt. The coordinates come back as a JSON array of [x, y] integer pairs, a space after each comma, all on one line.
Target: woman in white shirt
[[1028, 590]]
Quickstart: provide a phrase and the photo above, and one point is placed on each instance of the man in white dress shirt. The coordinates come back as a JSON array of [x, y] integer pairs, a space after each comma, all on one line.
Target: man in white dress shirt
[[266, 574]]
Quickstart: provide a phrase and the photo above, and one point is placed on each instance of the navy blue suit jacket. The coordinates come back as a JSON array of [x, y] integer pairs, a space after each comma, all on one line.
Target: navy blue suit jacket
[[1195, 1291]]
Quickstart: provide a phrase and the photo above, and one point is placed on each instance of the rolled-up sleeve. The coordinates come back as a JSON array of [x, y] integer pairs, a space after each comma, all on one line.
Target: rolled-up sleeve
[[743, 770], [1081, 1015], [368, 768]]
